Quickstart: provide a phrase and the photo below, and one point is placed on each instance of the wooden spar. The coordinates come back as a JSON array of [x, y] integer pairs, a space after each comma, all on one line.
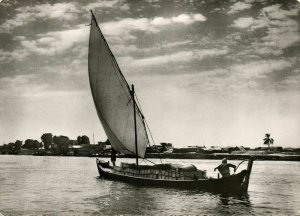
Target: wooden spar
[[111, 54], [135, 132], [249, 168]]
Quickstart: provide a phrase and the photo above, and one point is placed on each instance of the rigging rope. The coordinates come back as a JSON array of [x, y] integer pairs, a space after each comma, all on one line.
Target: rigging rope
[[149, 161], [146, 123], [160, 159], [239, 164]]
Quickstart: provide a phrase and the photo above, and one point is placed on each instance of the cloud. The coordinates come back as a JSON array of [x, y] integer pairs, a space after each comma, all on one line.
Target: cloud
[[7, 56], [128, 25], [188, 19], [48, 44], [292, 80], [174, 44], [152, 1], [243, 22], [199, 17], [182, 56], [25, 15], [240, 77], [119, 34], [271, 16], [21, 85], [160, 21], [281, 29], [122, 32], [239, 6], [113, 4], [275, 12], [281, 39], [52, 43], [274, 16], [124, 49], [260, 68], [265, 50], [17, 80]]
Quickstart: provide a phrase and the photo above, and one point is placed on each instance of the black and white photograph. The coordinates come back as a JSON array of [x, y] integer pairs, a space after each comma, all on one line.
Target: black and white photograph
[[149, 107]]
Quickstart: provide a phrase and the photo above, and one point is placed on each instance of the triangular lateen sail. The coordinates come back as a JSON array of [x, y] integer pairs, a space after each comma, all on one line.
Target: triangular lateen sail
[[112, 97]]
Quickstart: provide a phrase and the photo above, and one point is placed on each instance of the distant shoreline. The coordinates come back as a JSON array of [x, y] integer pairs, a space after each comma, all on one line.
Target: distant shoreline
[[271, 157], [264, 157]]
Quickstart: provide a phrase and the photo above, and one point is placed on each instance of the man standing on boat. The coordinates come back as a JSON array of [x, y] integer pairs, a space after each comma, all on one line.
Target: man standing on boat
[[224, 168], [113, 156]]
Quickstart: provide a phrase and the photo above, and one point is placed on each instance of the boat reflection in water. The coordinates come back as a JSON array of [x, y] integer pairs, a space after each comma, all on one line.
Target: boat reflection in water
[[234, 203], [125, 198], [235, 199]]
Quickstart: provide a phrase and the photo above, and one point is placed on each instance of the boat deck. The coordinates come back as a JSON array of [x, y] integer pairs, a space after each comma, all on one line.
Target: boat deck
[[154, 172], [231, 184]]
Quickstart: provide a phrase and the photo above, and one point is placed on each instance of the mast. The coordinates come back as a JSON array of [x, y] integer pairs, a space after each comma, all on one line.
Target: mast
[[135, 132]]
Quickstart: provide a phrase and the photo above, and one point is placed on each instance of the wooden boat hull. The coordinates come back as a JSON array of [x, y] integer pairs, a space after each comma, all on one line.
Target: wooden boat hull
[[231, 184]]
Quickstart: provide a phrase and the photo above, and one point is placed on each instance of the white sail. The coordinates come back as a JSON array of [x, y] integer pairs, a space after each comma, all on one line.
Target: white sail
[[112, 97]]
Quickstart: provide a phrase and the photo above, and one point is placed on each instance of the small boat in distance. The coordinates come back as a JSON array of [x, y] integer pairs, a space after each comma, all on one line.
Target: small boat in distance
[[125, 127]]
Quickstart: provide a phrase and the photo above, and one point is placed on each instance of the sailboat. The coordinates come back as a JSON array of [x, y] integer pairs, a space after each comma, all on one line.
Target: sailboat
[[124, 124]]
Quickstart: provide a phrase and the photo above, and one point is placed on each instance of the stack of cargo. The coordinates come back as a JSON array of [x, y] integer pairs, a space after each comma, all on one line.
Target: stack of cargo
[[160, 172]]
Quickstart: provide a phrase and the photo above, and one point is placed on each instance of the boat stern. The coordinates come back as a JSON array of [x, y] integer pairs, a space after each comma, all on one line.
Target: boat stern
[[102, 165], [244, 187]]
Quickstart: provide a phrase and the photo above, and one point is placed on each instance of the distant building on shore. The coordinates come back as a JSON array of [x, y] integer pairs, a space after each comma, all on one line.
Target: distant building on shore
[[163, 147], [190, 149]]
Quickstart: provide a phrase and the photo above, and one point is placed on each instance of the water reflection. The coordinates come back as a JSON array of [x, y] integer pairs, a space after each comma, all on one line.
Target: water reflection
[[33, 185], [222, 203], [124, 198], [235, 200], [234, 204]]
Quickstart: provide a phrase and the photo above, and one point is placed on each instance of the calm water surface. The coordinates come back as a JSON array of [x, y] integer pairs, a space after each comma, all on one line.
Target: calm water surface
[[32, 185]]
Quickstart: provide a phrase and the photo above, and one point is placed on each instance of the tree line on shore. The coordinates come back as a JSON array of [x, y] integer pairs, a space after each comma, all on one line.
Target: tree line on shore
[[59, 144]]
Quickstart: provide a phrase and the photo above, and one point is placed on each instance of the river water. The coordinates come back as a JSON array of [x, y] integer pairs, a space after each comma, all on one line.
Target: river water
[[33, 185]]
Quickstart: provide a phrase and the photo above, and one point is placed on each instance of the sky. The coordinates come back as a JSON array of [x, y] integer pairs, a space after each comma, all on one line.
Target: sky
[[213, 73]]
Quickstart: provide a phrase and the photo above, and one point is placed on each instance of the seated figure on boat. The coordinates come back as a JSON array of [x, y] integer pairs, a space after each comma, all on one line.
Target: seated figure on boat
[[224, 168]]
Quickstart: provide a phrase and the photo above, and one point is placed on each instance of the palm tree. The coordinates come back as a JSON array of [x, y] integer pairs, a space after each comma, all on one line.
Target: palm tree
[[268, 140]]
